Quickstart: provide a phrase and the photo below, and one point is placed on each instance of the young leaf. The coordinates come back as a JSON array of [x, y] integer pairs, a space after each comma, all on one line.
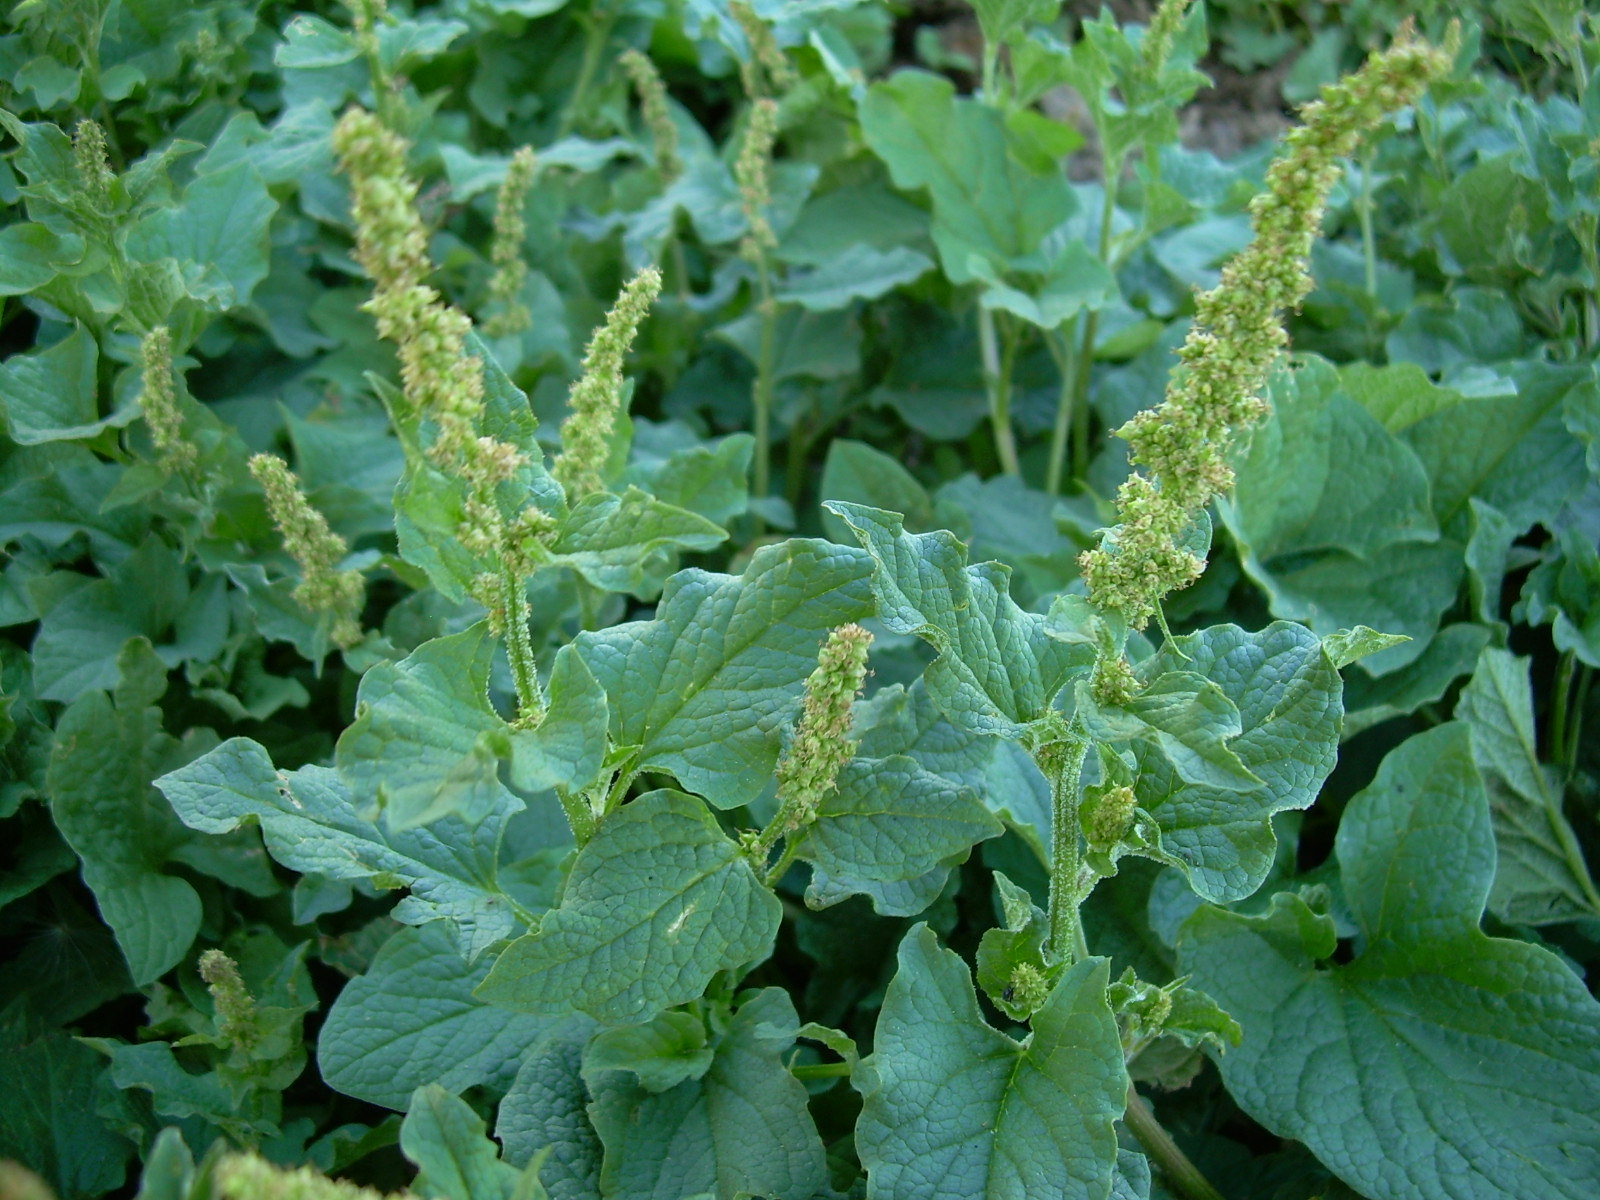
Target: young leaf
[[412, 1020], [568, 748], [997, 670], [1287, 693], [310, 824], [703, 687], [742, 1129], [53, 394], [1540, 875], [891, 832], [662, 1053], [657, 903], [455, 1159], [957, 1110], [1441, 1062], [425, 742]]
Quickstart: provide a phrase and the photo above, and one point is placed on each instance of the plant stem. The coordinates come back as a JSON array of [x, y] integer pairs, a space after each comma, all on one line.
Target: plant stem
[[997, 382], [1181, 1174], [1083, 366], [1575, 728], [598, 29], [519, 649], [1063, 766], [1558, 707], [761, 392], [1060, 343]]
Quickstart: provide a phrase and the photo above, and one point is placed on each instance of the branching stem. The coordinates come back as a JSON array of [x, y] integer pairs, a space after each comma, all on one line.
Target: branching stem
[[1180, 1173]]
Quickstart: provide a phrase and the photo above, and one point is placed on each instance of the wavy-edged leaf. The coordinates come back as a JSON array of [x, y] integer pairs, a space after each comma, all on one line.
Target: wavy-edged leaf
[[627, 543], [412, 1020], [311, 824], [703, 688], [426, 743], [997, 669], [891, 832], [657, 903], [956, 1110], [1288, 695], [545, 1109], [740, 1129], [1439, 1063]]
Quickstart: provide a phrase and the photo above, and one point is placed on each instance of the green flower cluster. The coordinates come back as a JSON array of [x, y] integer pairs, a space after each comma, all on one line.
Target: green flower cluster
[[158, 400], [753, 172], [596, 398], [765, 57], [441, 381], [235, 1008], [505, 250], [1181, 447], [822, 745], [323, 588], [652, 93], [251, 1177]]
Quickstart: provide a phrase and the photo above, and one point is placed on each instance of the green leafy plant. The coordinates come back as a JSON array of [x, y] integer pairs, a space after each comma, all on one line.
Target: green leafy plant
[[927, 698]]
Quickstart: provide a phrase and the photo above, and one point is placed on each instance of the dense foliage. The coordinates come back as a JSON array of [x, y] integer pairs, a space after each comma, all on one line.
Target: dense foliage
[[674, 598]]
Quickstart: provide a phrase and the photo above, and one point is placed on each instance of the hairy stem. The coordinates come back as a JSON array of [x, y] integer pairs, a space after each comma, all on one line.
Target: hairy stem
[[1060, 342], [1180, 1173], [597, 31], [1062, 764], [762, 390], [519, 649], [997, 382]]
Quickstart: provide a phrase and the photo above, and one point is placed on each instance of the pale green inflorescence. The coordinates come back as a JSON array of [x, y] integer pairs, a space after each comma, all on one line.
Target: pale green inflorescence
[[766, 56], [442, 382], [323, 588], [92, 163], [235, 1008], [597, 396], [1163, 27], [505, 251], [250, 1177], [1180, 448], [158, 400], [822, 746], [652, 93], [753, 172]]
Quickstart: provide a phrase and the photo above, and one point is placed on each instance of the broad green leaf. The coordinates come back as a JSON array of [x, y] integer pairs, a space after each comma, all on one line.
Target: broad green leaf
[[628, 543], [1513, 452], [1488, 549], [988, 203], [106, 753], [891, 832], [997, 670], [53, 394], [31, 253], [425, 742], [1287, 693], [657, 903], [741, 1129], [1039, 536], [859, 273], [455, 1159], [1404, 589], [1540, 875], [703, 688], [1440, 1062], [1563, 591], [218, 235], [662, 1053], [545, 1110], [568, 748], [1324, 474], [310, 823], [49, 1124], [712, 480], [1352, 645], [412, 1020], [855, 472], [955, 1109], [174, 1092]]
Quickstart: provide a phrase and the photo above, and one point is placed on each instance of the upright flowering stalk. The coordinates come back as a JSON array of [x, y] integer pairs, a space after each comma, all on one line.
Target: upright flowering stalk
[[765, 54], [652, 93], [158, 400], [443, 385], [505, 251], [251, 1177], [235, 1007], [1180, 448], [323, 588], [752, 170], [809, 770], [596, 398]]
